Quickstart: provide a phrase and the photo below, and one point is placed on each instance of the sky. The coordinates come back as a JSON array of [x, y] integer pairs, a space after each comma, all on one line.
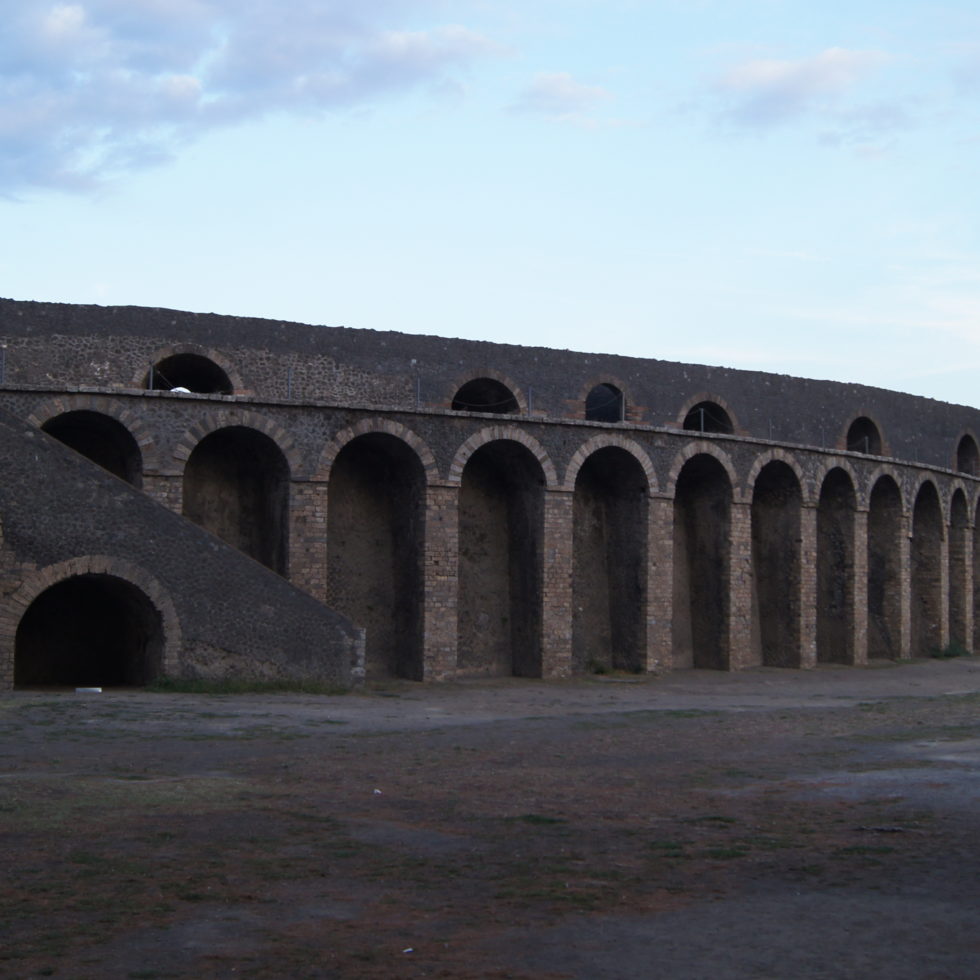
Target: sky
[[777, 185]]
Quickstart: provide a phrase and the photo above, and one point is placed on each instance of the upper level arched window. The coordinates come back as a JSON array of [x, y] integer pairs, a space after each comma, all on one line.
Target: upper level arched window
[[709, 417], [967, 456], [192, 372], [863, 437], [485, 395], [604, 403]]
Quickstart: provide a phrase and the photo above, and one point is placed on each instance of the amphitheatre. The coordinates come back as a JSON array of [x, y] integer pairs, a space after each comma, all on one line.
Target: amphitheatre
[[202, 496]]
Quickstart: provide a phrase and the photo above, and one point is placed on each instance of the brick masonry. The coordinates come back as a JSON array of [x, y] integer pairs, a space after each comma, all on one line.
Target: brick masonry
[[314, 390]]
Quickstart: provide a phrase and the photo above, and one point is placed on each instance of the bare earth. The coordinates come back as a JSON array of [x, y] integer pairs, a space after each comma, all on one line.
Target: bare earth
[[771, 824]]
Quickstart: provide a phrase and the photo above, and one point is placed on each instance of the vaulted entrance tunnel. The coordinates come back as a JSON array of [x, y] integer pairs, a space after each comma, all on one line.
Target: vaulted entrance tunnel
[[375, 530], [102, 439], [776, 502], [835, 569], [501, 508], [702, 532], [236, 485], [609, 550], [89, 631]]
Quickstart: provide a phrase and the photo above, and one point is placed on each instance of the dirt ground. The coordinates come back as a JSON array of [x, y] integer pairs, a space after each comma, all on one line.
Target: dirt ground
[[771, 824]]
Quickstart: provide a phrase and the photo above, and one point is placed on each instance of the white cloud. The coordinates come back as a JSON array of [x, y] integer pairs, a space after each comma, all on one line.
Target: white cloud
[[558, 95], [769, 92], [92, 87]]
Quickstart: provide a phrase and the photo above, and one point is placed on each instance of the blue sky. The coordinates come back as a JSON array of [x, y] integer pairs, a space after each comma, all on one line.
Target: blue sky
[[766, 184]]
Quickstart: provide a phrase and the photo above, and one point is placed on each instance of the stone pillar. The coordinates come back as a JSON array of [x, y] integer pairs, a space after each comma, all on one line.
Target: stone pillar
[[944, 585], [556, 586], [859, 592], [166, 489], [660, 584], [440, 571], [905, 587], [807, 596], [740, 647], [308, 537], [968, 585]]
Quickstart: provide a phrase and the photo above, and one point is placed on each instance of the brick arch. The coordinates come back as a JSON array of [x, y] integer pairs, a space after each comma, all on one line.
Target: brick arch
[[367, 427], [698, 448], [952, 488], [772, 455], [249, 420], [15, 605], [709, 396], [955, 460], [504, 379], [495, 433], [862, 414], [602, 442], [603, 379], [162, 353], [885, 469], [829, 464], [943, 502], [102, 405]]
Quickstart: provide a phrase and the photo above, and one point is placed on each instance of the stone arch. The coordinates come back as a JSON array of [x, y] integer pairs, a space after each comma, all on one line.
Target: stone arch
[[708, 398], [603, 441], [602, 399], [967, 456], [885, 469], [214, 421], [862, 434], [703, 494], [777, 501], [236, 485], [926, 569], [367, 427], [501, 559], [375, 545], [609, 561], [698, 448], [781, 456], [173, 352], [957, 559], [502, 433], [494, 391], [835, 567], [93, 571], [102, 405], [885, 528]]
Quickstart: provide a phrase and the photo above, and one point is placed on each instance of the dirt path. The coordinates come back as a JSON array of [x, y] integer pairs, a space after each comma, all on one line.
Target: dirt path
[[768, 824]]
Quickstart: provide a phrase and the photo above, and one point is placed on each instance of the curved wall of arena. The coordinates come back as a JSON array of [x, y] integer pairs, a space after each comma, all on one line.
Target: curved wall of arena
[[486, 509]]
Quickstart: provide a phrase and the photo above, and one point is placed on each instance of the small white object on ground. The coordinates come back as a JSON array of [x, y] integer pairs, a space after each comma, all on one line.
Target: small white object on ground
[[88, 690]]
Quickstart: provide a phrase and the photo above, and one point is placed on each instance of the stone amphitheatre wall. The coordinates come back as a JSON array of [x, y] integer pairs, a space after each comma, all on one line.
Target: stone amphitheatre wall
[[483, 508]]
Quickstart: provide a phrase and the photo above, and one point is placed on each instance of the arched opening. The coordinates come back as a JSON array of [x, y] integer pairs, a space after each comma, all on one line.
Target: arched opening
[[375, 530], [926, 552], [708, 417], [89, 631], [191, 371], [236, 485], [501, 510], [976, 577], [863, 437], [959, 529], [604, 403], [884, 570], [967, 456], [101, 439], [702, 558], [485, 395], [609, 550], [835, 569], [776, 501]]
